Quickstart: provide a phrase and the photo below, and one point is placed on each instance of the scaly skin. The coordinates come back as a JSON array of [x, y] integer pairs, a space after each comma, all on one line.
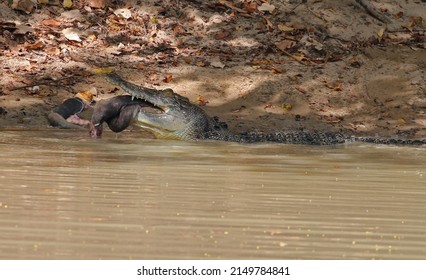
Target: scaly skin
[[182, 120]]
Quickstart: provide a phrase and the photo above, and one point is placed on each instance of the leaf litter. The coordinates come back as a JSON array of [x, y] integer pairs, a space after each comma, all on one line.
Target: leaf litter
[[272, 36]]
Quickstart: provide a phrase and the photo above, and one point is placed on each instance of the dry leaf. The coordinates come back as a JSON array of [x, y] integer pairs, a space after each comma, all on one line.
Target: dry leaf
[[229, 5], [180, 43], [299, 56], [221, 35], [380, 33], [202, 101], [250, 7], [124, 13], [265, 7], [285, 28], [52, 50], [258, 61], [140, 66], [97, 4], [332, 119], [401, 121], [33, 90], [154, 79], [268, 23], [91, 37], [335, 87], [215, 62], [36, 46], [413, 22], [179, 29], [102, 70], [187, 59], [73, 15], [398, 15], [302, 90], [67, 3], [71, 34], [27, 6], [285, 44], [51, 22], [239, 109], [418, 21], [168, 78], [420, 121], [286, 106], [276, 70], [386, 114], [200, 63], [338, 87]]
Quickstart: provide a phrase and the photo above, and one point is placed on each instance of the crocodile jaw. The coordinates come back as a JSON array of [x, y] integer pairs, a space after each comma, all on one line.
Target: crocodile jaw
[[162, 125]]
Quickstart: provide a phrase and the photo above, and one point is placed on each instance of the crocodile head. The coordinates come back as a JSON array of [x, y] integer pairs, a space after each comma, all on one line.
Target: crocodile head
[[175, 116]]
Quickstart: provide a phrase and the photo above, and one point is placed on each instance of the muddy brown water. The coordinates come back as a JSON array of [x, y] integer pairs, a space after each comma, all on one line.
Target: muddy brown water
[[64, 196]]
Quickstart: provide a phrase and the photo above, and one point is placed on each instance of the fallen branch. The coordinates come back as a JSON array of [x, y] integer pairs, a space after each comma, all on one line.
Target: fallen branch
[[45, 83], [294, 57], [230, 6], [373, 12], [317, 15]]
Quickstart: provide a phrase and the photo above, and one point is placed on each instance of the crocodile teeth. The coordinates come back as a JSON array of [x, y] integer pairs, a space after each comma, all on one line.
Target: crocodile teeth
[[133, 97]]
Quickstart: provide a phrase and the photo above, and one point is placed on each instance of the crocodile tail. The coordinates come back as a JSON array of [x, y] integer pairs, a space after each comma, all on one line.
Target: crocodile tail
[[389, 141], [295, 137]]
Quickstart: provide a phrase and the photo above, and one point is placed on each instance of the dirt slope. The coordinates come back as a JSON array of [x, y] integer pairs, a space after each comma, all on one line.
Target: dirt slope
[[321, 65]]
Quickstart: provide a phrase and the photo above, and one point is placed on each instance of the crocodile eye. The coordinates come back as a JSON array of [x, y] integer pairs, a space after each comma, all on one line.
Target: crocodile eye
[[168, 92]]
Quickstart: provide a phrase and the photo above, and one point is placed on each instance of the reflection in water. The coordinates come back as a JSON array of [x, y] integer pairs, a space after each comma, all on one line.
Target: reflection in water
[[64, 196]]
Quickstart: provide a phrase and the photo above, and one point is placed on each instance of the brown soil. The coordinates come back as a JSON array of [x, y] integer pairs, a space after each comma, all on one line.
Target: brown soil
[[324, 65]]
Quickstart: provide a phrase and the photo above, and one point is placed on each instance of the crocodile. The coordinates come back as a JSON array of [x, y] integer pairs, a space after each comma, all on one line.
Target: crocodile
[[169, 115]]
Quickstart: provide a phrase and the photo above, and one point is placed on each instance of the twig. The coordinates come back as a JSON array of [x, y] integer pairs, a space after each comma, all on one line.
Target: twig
[[316, 15], [297, 5], [51, 83], [373, 12], [294, 57], [230, 6], [405, 30]]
